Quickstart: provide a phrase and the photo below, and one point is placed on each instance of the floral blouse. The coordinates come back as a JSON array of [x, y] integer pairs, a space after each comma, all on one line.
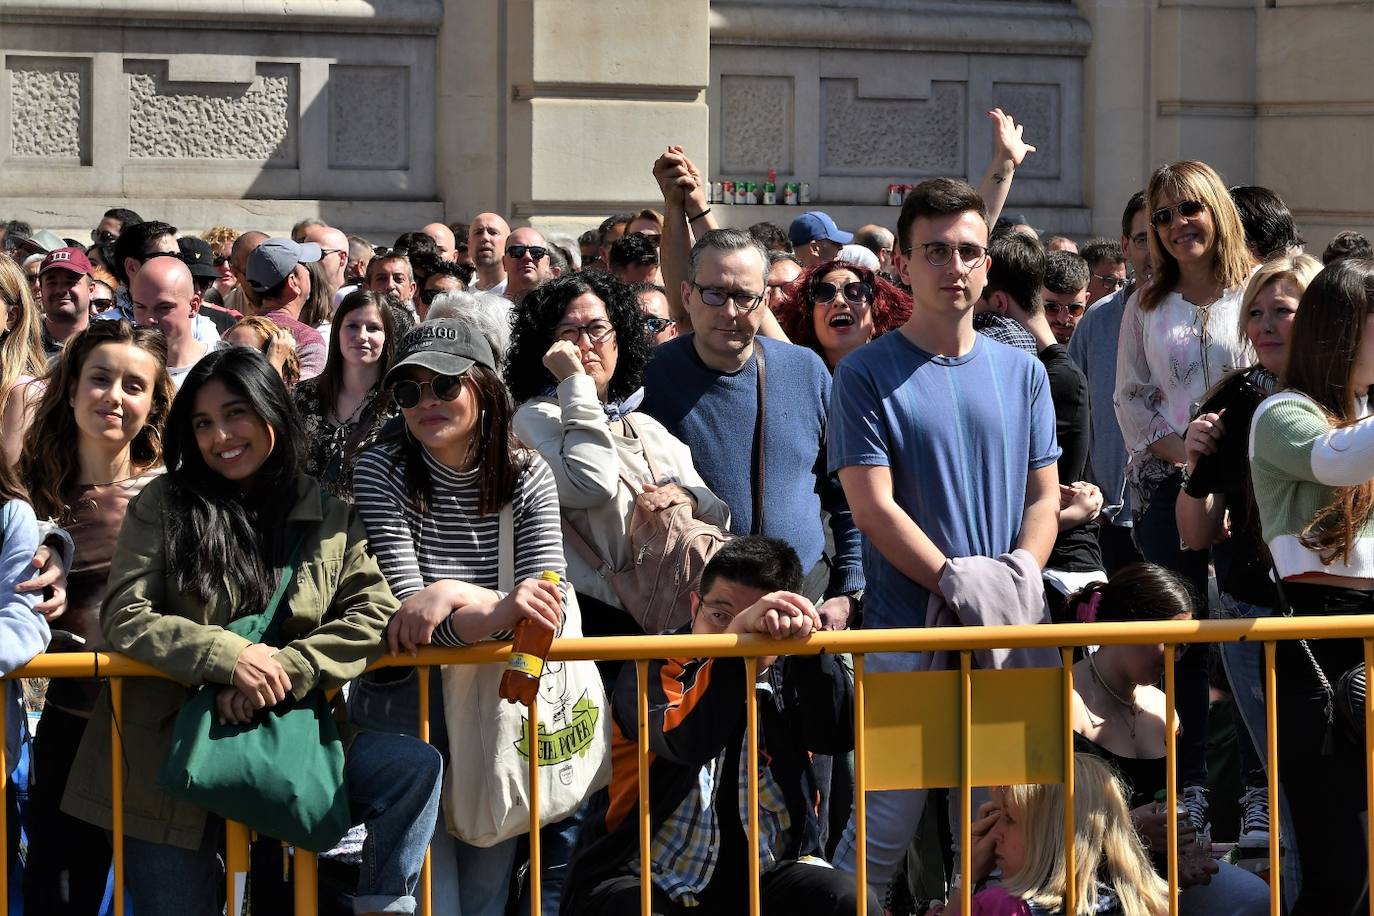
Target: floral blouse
[[327, 442]]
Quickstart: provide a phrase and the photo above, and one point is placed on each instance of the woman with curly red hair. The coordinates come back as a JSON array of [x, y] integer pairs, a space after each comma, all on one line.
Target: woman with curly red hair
[[836, 307]]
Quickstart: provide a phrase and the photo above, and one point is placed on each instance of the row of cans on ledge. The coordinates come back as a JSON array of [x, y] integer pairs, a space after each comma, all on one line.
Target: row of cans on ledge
[[748, 192]]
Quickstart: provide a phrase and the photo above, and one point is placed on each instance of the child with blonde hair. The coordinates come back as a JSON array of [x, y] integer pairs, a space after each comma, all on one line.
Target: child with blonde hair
[[1021, 833]]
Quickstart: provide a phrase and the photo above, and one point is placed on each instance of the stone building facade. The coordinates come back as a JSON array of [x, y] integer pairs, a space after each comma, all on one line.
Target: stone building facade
[[383, 115]]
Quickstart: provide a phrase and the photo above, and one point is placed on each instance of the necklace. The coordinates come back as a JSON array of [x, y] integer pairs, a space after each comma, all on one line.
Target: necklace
[[1127, 704]]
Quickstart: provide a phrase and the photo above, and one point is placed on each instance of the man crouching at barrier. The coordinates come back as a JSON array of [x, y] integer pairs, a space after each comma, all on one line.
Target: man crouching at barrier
[[698, 784]]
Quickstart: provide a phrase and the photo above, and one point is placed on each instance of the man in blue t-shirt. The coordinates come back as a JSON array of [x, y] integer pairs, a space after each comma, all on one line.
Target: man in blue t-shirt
[[944, 442]]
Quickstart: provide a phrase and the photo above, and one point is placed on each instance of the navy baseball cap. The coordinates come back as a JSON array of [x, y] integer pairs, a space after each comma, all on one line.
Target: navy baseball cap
[[816, 224], [275, 259]]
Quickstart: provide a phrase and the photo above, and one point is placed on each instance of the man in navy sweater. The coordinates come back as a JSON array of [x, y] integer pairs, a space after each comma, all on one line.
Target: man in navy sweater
[[707, 389]]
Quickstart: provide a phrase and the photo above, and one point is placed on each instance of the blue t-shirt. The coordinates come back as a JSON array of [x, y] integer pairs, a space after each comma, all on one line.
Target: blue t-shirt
[[715, 414], [959, 434]]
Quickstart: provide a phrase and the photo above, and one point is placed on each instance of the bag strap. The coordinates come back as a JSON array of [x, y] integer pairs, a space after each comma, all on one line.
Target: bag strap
[[644, 446], [276, 612], [757, 526], [505, 551]]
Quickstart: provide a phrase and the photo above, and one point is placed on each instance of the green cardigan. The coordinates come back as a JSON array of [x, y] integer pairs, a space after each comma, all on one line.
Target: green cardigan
[[339, 607]]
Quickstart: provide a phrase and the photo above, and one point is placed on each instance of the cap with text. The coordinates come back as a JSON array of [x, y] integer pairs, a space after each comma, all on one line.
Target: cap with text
[[447, 346], [72, 260]]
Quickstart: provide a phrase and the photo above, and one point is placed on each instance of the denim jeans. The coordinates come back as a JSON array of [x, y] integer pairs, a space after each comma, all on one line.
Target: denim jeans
[[557, 842], [1244, 663], [393, 788], [165, 880], [1156, 534], [1232, 892], [466, 880]]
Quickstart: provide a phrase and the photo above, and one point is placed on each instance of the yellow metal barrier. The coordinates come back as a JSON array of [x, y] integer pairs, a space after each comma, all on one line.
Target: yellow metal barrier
[[1024, 714]]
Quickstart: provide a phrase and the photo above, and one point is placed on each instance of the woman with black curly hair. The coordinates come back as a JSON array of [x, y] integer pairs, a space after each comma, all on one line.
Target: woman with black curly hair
[[835, 307], [577, 354]]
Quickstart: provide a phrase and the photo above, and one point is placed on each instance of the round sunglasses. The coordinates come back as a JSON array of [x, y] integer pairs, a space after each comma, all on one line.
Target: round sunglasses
[[855, 292], [408, 393]]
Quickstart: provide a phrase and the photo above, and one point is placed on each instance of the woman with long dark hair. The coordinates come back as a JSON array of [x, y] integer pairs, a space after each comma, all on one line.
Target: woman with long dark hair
[[431, 498], [1179, 337], [1312, 464], [344, 408], [836, 307], [575, 365], [95, 443], [205, 544]]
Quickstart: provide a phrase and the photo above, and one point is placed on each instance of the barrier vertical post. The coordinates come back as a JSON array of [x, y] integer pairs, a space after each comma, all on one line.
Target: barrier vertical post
[[117, 791], [306, 886], [426, 889], [966, 780], [1271, 741], [236, 865], [646, 870], [751, 713], [1171, 775], [1070, 831], [860, 788], [536, 854]]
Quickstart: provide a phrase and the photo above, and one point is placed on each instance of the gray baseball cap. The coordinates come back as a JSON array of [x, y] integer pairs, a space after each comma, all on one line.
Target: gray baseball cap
[[275, 259], [447, 346]]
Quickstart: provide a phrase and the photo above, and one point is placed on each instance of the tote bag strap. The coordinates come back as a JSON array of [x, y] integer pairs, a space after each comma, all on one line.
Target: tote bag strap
[[275, 613]]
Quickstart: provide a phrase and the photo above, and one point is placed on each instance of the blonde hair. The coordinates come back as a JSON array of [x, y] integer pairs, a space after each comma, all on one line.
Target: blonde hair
[[22, 351], [1106, 846], [1300, 268], [268, 332], [218, 235], [1193, 180]]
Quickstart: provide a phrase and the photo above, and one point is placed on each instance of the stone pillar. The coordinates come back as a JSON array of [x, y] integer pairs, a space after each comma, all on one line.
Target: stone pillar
[[553, 112]]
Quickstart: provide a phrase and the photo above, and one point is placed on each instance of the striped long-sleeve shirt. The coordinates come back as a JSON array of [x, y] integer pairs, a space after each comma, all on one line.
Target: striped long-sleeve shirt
[[451, 540]]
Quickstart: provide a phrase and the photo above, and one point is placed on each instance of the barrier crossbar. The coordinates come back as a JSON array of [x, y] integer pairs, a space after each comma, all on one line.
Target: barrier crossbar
[[640, 649]]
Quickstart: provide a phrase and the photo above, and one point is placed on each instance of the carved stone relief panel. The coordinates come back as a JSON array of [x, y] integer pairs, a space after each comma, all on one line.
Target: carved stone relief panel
[[1037, 106], [49, 108], [756, 124], [884, 136], [256, 121], [369, 117]]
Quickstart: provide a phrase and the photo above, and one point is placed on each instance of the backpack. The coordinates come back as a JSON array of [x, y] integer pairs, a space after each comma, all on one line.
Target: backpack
[[668, 550]]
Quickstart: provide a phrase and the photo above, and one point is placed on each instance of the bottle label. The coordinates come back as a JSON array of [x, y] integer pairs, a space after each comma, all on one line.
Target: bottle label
[[525, 663]]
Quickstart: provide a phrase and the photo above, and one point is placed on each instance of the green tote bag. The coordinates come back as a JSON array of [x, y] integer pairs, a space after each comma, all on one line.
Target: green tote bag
[[282, 774]]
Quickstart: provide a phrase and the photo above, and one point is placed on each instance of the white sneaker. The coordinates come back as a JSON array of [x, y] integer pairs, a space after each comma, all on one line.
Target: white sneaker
[[1254, 819]]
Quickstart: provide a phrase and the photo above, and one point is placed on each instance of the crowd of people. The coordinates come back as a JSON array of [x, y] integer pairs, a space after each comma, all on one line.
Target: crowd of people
[[470, 431]]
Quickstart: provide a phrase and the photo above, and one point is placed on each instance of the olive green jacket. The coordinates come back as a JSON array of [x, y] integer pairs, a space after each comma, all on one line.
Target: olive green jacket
[[339, 606]]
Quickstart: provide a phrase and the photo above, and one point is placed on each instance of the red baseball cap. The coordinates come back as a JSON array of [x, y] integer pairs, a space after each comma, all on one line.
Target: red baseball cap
[[72, 260]]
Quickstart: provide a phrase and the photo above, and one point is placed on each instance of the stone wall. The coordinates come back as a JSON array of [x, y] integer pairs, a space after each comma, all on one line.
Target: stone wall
[[853, 99], [209, 111]]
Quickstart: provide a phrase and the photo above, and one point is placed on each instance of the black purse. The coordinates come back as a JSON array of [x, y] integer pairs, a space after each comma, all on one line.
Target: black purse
[[1239, 396], [1345, 700]]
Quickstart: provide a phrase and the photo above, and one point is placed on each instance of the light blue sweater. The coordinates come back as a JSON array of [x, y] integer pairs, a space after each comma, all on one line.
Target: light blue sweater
[[23, 634]]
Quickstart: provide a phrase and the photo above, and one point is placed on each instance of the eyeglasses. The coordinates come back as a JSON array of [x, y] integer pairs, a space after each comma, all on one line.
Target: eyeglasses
[[938, 254], [1074, 309], [427, 296], [381, 251], [1110, 281], [1186, 209], [408, 393], [220, 260], [145, 258], [657, 325], [744, 300], [1141, 240], [855, 293], [324, 252], [103, 238], [101, 305], [535, 252], [596, 331]]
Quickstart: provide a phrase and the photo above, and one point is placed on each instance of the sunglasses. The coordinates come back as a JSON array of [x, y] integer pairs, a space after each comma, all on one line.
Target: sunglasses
[[657, 325], [1054, 308], [220, 260], [103, 238], [1186, 210], [535, 252], [1110, 281], [427, 296], [408, 393], [381, 251], [855, 292]]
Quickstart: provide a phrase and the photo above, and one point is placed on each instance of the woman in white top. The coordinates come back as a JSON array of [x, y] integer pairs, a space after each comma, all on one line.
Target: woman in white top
[[1179, 336], [578, 350]]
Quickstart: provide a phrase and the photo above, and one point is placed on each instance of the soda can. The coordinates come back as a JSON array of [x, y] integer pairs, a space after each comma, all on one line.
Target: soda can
[[789, 194], [741, 192], [894, 195], [770, 194], [715, 192], [727, 192], [805, 195]]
